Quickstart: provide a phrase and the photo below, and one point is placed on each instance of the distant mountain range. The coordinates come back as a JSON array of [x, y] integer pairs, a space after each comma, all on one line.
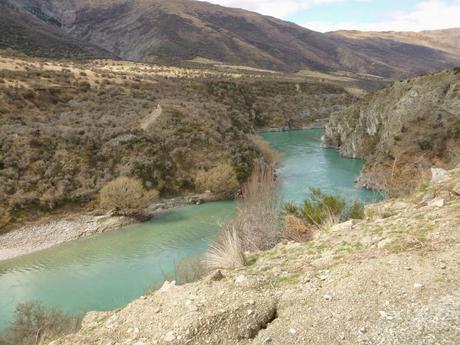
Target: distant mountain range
[[178, 30]]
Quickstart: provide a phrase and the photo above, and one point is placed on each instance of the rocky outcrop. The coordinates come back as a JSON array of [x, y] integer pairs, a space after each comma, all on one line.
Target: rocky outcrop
[[412, 123], [389, 279]]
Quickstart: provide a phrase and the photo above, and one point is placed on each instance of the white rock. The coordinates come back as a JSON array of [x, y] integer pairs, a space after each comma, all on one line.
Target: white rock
[[169, 337], [438, 175], [167, 286], [250, 312], [419, 286], [437, 203], [240, 279], [327, 297], [292, 331]]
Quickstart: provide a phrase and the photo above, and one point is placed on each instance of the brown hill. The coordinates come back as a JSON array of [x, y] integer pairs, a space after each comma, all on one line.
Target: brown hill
[[177, 30]]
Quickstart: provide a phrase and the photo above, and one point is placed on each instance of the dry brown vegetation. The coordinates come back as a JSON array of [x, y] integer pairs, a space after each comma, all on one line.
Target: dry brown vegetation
[[125, 195], [221, 180], [68, 128], [36, 325]]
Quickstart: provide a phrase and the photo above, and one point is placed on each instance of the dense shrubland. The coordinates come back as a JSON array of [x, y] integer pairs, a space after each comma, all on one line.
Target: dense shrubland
[[68, 129]]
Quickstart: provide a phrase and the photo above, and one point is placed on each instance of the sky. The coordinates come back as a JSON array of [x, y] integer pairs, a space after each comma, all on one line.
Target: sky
[[367, 15]]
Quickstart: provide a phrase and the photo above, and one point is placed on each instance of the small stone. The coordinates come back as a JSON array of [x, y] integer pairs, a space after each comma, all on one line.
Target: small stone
[[438, 175], [443, 267], [327, 297], [419, 286], [170, 337], [363, 329], [251, 302], [240, 279], [136, 330], [437, 203], [217, 276], [267, 340], [250, 312], [292, 331], [140, 343]]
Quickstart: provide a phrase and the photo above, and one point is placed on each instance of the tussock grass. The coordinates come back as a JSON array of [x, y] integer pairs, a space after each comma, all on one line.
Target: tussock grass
[[226, 252]]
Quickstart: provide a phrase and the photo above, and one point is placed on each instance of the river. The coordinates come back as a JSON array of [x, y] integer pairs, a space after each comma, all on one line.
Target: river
[[109, 270]]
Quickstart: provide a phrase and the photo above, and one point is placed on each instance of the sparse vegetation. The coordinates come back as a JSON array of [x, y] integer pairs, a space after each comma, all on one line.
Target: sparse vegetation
[[226, 252], [35, 325]]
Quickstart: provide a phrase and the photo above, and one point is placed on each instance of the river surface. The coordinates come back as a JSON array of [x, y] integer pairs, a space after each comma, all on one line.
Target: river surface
[[109, 270]]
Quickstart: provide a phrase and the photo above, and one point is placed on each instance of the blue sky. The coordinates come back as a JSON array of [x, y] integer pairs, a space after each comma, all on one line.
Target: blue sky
[[381, 15]]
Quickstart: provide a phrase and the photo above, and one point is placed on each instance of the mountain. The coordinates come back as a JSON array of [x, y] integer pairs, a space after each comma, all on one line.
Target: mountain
[[447, 40], [177, 30], [402, 131], [22, 32]]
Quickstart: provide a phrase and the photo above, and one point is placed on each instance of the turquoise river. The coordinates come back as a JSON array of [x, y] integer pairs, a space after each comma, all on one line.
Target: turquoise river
[[109, 270]]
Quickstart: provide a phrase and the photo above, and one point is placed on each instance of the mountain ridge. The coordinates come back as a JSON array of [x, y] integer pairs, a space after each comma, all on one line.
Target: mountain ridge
[[181, 30]]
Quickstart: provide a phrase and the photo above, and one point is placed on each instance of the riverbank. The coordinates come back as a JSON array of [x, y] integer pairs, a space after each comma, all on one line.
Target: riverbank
[[391, 278], [52, 230]]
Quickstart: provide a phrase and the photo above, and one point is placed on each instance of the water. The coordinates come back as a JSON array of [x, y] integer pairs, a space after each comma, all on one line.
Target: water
[[110, 270]]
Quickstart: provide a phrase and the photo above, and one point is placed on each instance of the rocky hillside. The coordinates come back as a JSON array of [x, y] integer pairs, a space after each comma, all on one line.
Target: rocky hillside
[[67, 128], [389, 279], [402, 130], [178, 30]]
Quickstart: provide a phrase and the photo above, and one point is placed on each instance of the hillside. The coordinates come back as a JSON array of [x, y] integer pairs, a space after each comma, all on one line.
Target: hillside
[[24, 33], [178, 30], [389, 279], [447, 40], [402, 130], [67, 128]]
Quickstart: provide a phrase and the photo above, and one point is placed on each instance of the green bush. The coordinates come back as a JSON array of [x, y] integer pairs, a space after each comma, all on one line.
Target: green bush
[[321, 207]]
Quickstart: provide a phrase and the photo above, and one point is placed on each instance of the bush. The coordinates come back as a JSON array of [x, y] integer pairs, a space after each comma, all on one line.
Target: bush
[[321, 207], [256, 219], [35, 324], [126, 194], [320, 210], [226, 253], [221, 180], [356, 210], [270, 155], [5, 217]]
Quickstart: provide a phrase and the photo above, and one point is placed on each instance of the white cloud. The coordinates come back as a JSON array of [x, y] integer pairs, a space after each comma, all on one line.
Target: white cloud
[[275, 8], [427, 15]]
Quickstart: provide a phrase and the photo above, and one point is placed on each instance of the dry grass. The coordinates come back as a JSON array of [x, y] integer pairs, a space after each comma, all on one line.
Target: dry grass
[[257, 216], [271, 156], [294, 229], [226, 252]]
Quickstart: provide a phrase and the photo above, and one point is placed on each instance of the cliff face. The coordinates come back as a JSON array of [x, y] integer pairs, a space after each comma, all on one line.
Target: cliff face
[[389, 279], [412, 124]]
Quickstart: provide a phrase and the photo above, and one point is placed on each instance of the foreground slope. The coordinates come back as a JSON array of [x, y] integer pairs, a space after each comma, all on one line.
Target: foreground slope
[[390, 279], [178, 30], [402, 130]]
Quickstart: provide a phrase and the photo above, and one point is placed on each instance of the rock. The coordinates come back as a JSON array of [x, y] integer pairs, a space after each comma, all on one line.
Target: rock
[[267, 340], [292, 331], [327, 297], [438, 175], [216, 276], [167, 286], [169, 337], [456, 189], [348, 225], [250, 312], [437, 203], [240, 279], [419, 286]]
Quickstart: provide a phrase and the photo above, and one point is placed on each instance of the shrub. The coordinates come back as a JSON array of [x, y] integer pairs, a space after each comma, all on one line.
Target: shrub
[[221, 179], [35, 324], [270, 155], [321, 207], [126, 194], [226, 253], [256, 219], [356, 210], [295, 229], [5, 217]]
